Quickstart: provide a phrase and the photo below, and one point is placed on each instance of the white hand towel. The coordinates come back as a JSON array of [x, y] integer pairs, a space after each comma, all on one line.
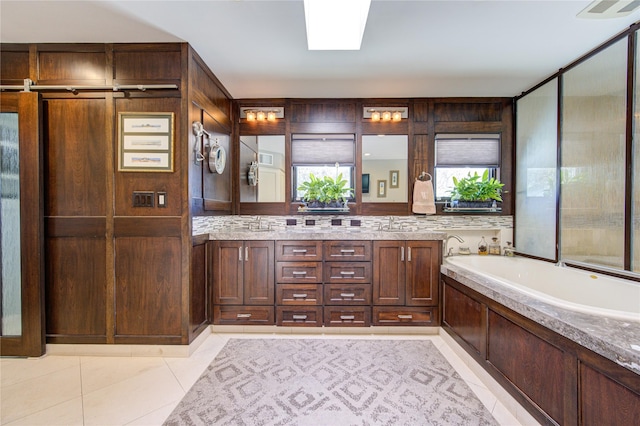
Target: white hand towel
[[423, 199]]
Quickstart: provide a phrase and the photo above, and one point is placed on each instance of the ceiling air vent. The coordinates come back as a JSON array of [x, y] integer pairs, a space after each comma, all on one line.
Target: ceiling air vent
[[606, 9]]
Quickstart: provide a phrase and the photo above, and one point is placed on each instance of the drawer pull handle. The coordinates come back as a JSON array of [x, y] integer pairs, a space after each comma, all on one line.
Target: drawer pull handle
[[302, 295], [299, 317], [298, 272], [347, 251], [299, 250], [405, 316], [243, 316], [347, 295], [347, 273], [347, 317]]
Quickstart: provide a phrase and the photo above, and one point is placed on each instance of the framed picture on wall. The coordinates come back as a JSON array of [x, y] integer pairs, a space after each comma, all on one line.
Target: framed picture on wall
[[145, 141], [382, 188], [394, 178]]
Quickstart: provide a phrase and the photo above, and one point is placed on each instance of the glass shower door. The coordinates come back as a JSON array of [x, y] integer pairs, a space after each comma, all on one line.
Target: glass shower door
[[21, 226]]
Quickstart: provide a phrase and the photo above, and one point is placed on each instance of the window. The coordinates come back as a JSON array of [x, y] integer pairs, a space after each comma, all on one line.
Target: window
[[322, 155], [457, 155]]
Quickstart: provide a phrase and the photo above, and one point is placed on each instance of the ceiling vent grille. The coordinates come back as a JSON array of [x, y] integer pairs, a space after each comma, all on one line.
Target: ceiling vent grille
[[607, 9]]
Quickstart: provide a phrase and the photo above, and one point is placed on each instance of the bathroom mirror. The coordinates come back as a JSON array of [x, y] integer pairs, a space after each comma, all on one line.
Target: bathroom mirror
[[262, 173], [385, 168]]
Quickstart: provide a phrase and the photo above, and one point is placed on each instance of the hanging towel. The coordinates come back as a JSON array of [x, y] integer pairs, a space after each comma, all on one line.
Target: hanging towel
[[423, 199]]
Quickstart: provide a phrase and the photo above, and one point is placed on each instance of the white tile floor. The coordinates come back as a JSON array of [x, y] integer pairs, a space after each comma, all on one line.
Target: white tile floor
[[128, 390]]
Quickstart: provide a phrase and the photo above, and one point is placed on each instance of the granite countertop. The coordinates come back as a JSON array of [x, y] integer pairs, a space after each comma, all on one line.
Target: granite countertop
[[338, 233], [615, 339]]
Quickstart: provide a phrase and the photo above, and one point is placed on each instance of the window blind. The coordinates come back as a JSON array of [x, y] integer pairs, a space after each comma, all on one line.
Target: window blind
[[468, 150], [323, 149]]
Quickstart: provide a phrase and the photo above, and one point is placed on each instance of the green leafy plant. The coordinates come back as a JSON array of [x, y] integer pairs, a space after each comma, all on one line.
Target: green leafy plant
[[326, 190], [477, 188]]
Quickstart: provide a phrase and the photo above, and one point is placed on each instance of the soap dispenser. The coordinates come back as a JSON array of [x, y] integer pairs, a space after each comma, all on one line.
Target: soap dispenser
[[482, 247]]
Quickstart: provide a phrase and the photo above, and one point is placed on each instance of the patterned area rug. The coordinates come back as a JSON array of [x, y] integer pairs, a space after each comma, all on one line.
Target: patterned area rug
[[330, 382]]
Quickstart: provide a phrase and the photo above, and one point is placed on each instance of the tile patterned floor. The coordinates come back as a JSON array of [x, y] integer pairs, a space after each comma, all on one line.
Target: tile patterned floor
[[108, 391]]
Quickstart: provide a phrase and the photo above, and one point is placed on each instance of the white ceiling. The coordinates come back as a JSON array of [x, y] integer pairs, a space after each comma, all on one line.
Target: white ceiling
[[427, 48]]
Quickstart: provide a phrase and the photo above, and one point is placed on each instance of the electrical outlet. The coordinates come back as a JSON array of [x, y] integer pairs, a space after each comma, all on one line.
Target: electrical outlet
[[143, 199]]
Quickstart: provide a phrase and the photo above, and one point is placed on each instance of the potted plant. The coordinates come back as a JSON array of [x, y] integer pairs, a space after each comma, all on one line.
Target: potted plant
[[335, 192], [475, 191], [313, 191]]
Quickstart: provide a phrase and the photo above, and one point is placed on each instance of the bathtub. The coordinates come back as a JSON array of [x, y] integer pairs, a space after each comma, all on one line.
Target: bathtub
[[566, 287]]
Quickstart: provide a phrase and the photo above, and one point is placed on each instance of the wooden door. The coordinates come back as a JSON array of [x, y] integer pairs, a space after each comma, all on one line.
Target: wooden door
[[228, 257], [22, 310], [422, 273], [389, 272], [259, 273]]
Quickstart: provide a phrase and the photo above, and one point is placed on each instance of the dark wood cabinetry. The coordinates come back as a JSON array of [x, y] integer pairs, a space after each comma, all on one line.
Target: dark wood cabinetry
[[299, 283], [405, 277], [243, 277], [557, 380], [347, 283]]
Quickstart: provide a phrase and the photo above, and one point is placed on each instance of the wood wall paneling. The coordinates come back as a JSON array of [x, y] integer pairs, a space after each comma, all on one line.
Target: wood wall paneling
[[75, 157], [128, 182], [14, 66], [144, 65], [419, 111], [605, 402], [198, 288], [148, 286], [207, 92], [75, 287], [467, 317], [85, 67], [310, 111], [468, 111]]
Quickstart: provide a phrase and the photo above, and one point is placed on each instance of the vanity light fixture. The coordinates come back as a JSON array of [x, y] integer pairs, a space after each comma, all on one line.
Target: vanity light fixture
[[262, 113], [385, 113]]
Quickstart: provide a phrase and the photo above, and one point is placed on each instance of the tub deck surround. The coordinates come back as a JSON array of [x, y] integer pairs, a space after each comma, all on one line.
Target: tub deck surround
[[614, 339]]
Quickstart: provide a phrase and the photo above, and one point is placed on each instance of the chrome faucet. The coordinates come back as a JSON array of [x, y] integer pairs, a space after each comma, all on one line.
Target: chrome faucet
[[446, 242]]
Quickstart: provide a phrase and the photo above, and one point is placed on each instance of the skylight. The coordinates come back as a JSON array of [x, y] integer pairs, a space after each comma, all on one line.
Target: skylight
[[335, 24]]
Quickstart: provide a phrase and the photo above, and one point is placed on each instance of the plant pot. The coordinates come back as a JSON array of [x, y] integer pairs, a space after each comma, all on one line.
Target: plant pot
[[474, 204]]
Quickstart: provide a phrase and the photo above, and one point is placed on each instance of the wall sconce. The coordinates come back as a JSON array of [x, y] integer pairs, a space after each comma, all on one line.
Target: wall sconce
[[261, 113], [385, 113]]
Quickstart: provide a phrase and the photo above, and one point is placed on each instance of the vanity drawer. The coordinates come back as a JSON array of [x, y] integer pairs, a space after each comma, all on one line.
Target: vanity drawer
[[299, 316], [347, 294], [392, 315], [343, 316], [298, 272], [299, 250], [347, 250], [347, 272], [299, 294], [247, 315]]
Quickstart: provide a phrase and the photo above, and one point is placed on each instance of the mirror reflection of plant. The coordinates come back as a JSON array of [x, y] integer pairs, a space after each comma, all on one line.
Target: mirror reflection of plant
[[477, 188], [325, 190]]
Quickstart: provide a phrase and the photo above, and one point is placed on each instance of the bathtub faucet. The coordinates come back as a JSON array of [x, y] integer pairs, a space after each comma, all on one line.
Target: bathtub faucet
[[449, 252]]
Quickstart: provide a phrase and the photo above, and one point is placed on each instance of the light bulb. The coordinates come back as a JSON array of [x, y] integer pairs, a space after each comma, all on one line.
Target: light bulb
[[271, 116], [386, 116], [375, 116], [261, 116], [251, 116], [397, 116]]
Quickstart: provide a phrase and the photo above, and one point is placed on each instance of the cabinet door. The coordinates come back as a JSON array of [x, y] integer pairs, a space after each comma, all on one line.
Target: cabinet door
[[389, 273], [423, 258], [259, 273], [227, 275]]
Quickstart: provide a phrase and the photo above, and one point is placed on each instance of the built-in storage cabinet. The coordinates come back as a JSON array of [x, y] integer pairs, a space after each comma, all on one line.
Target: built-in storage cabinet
[[299, 283], [557, 380], [243, 277], [347, 283], [405, 277]]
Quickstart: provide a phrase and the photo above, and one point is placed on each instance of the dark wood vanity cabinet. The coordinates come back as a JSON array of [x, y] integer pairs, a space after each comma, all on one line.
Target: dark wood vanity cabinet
[[243, 282], [347, 283], [405, 282], [299, 275]]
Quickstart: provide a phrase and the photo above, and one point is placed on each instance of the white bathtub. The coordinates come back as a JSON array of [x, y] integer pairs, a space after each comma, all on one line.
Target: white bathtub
[[562, 286]]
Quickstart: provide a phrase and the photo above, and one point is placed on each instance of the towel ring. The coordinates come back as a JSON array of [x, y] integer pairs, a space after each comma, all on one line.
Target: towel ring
[[423, 176]]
